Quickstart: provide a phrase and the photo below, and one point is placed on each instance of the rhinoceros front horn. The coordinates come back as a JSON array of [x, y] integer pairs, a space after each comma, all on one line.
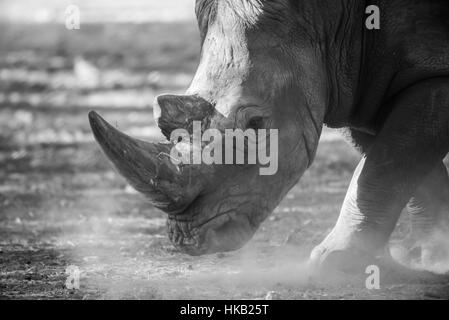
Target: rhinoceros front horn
[[173, 112], [149, 168]]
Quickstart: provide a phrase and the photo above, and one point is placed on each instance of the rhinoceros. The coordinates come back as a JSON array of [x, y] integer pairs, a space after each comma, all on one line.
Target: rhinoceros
[[296, 65]]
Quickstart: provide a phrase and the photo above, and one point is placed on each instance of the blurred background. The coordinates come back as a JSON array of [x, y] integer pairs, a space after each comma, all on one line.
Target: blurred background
[[124, 54], [62, 204]]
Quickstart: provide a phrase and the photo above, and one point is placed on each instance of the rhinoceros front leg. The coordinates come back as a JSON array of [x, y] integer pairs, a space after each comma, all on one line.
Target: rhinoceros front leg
[[429, 203], [428, 210], [413, 140]]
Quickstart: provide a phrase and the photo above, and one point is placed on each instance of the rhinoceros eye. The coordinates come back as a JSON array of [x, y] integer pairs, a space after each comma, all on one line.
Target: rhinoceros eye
[[255, 123]]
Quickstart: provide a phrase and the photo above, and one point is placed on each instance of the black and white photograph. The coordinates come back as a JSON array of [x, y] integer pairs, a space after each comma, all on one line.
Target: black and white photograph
[[236, 151]]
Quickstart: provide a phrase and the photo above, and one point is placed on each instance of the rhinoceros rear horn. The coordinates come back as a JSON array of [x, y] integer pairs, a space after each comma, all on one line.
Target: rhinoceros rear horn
[[173, 112], [148, 167]]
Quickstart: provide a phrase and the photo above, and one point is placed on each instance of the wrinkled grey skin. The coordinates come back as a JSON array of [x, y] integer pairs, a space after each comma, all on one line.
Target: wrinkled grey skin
[[294, 65]]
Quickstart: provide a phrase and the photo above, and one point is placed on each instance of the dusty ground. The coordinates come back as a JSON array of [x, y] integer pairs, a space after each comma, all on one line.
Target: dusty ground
[[62, 204]]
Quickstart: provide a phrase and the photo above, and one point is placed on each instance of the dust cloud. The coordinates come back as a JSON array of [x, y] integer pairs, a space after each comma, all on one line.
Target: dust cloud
[[431, 255], [131, 257]]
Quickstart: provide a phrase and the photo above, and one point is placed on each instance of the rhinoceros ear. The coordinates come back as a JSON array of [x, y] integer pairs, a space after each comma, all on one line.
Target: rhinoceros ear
[[173, 112], [205, 13]]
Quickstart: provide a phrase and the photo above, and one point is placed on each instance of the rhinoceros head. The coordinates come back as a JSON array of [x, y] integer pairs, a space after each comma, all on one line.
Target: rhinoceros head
[[258, 70]]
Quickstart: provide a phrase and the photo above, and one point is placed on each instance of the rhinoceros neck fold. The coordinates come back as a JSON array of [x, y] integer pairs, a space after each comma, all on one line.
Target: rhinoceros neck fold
[[344, 59]]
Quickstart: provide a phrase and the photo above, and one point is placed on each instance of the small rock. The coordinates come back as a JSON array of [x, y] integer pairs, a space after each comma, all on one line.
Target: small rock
[[292, 238], [307, 222], [90, 258], [130, 190], [70, 243], [272, 295]]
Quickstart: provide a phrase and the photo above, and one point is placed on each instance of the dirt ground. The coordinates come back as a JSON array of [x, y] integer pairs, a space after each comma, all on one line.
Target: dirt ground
[[61, 203]]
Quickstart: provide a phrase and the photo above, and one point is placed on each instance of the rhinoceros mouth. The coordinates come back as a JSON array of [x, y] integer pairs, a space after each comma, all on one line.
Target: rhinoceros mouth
[[205, 234], [214, 224]]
